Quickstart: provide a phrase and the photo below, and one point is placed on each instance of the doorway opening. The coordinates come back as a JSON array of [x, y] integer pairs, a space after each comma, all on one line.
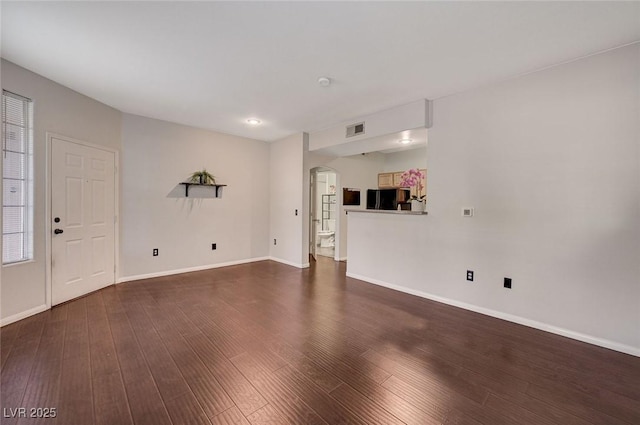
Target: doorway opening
[[323, 229]]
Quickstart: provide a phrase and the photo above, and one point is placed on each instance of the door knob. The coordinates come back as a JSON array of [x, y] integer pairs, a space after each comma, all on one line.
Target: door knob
[[58, 231]]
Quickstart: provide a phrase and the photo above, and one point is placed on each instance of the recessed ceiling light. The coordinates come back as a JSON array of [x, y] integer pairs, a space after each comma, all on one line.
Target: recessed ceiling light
[[253, 121], [405, 141]]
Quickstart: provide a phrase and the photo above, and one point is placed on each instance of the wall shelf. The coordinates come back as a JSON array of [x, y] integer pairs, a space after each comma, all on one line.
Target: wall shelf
[[188, 185]]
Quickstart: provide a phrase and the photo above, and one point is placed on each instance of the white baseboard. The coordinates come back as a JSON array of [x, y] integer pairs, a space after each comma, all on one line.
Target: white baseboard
[[341, 259], [23, 315], [290, 263], [612, 345], [189, 269]]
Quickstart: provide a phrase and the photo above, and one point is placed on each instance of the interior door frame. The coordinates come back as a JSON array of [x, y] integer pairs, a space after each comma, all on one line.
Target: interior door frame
[[49, 217], [313, 191], [312, 214]]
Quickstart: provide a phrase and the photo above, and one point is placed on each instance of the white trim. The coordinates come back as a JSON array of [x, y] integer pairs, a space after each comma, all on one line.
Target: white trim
[[23, 315], [290, 263], [17, 263], [116, 207], [116, 212], [189, 269], [612, 345], [341, 259], [47, 221], [339, 207]]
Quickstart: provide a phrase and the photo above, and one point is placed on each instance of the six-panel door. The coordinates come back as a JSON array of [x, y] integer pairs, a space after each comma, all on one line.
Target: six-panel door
[[83, 215]]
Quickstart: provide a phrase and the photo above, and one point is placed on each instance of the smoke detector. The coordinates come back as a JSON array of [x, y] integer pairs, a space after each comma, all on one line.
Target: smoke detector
[[324, 81]]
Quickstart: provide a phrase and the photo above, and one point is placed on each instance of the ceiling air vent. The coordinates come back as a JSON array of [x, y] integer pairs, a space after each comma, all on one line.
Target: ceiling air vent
[[355, 129]]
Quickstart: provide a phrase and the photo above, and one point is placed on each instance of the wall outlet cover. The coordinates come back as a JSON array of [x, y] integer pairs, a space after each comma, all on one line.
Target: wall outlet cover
[[467, 211]]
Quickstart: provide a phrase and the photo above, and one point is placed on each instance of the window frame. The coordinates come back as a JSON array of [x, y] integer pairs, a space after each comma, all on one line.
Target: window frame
[[25, 178]]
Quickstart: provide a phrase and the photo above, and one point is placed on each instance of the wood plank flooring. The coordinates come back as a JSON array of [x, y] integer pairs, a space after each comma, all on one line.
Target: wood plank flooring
[[265, 343]]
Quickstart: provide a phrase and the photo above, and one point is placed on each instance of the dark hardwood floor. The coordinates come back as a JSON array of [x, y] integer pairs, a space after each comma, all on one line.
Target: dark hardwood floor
[[265, 343]]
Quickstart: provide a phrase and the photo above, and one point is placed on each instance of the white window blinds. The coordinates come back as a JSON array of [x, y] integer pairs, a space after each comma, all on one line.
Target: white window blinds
[[17, 178]]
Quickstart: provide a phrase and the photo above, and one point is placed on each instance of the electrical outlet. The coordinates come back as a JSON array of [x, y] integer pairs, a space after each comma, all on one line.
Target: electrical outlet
[[275, 242], [214, 246], [470, 275], [507, 282], [155, 252], [467, 212]]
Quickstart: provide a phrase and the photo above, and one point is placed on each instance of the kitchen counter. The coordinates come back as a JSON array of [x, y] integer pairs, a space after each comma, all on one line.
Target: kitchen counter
[[387, 212]]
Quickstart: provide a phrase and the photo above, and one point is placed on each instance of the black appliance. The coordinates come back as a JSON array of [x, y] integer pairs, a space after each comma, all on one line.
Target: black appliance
[[386, 199]]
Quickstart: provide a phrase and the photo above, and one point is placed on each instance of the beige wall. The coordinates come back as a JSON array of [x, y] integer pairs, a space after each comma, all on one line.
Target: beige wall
[[156, 157], [404, 160], [287, 193], [551, 163], [63, 111]]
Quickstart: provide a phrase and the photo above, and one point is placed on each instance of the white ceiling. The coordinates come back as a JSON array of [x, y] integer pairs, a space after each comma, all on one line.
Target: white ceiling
[[215, 64]]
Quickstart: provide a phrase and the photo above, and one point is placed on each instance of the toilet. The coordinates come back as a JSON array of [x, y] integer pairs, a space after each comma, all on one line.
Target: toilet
[[327, 237]]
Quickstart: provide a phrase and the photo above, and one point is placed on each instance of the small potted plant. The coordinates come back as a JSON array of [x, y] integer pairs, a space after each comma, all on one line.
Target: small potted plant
[[202, 177]]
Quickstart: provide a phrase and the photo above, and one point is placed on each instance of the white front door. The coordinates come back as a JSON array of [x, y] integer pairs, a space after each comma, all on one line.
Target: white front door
[[82, 215]]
